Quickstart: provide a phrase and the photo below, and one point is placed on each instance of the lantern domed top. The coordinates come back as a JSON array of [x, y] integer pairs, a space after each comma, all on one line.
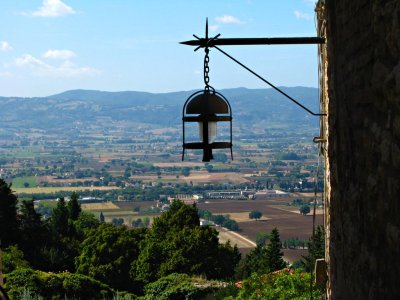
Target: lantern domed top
[[207, 103]]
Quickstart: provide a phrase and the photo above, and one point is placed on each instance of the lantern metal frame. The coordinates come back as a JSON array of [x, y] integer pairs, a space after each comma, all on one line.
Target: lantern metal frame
[[203, 107]]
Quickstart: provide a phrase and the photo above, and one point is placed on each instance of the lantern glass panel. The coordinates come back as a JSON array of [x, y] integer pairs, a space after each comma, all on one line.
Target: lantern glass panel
[[212, 131]]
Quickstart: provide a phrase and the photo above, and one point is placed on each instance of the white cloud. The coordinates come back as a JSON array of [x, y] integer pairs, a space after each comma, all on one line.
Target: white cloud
[[65, 69], [214, 27], [5, 46], [226, 19], [52, 8], [59, 54], [69, 69], [302, 16], [31, 61]]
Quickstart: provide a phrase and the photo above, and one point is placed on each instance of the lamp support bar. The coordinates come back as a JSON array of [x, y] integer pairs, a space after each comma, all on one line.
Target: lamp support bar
[[199, 42]]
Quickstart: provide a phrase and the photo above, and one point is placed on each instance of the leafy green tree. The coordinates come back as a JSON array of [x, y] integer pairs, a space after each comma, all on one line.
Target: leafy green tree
[[218, 219], [304, 209], [177, 243], [316, 248], [288, 156], [189, 250], [146, 222], [274, 253], [35, 284], [205, 214], [231, 224], [209, 168], [255, 262], [85, 222], [177, 217], [280, 286], [12, 259], [228, 258], [174, 286], [59, 219], [107, 254], [185, 171], [8, 215], [262, 238], [34, 234], [74, 208], [255, 214], [298, 202], [137, 223], [65, 240], [118, 221]]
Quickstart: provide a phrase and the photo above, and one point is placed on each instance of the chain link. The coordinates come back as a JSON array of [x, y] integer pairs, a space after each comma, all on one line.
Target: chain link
[[206, 69]]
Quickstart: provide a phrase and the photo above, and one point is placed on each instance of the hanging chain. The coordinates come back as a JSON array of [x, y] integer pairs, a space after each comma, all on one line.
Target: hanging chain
[[206, 69]]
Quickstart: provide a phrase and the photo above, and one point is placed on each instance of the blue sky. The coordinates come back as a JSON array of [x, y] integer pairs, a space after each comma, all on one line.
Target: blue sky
[[49, 46]]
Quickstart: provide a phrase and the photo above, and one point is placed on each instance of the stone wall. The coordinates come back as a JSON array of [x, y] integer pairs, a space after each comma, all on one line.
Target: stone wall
[[363, 75]]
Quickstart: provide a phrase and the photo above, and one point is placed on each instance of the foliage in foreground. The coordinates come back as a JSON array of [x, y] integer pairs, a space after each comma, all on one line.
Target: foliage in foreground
[[316, 248], [55, 285], [177, 243], [174, 286], [107, 254], [264, 258], [281, 285]]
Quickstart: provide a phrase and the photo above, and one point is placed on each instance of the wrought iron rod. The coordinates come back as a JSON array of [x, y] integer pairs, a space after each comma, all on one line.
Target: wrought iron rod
[[206, 42]]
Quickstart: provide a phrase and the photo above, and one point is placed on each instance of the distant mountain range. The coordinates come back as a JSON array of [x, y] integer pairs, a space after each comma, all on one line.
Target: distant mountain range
[[164, 109]]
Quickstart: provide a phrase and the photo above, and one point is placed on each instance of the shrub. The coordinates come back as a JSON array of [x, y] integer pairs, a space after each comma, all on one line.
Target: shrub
[[305, 209], [174, 286], [13, 258], [228, 292], [55, 285], [280, 285]]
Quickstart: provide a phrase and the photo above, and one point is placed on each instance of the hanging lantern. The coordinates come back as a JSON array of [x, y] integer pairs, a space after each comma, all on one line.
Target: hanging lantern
[[207, 108]]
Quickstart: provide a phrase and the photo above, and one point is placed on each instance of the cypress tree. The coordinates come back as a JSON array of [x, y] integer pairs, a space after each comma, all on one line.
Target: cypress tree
[[8, 215], [316, 248], [273, 252], [101, 217], [59, 219], [74, 208], [34, 233]]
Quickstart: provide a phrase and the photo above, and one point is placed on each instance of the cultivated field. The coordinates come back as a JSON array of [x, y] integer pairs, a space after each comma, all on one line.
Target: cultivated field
[[103, 206], [52, 179], [195, 177], [21, 181], [244, 244], [123, 210], [242, 216], [289, 223], [205, 177], [296, 210], [38, 190], [178, 164]]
